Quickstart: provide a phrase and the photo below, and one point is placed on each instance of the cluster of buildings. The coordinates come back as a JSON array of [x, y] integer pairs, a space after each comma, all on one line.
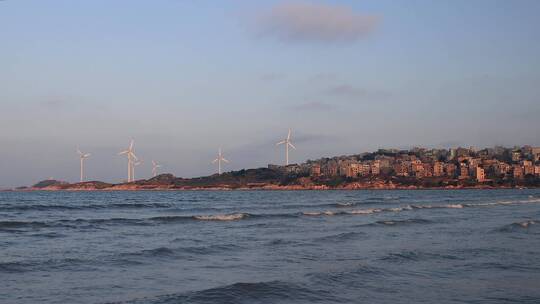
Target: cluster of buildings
[[498, 163]]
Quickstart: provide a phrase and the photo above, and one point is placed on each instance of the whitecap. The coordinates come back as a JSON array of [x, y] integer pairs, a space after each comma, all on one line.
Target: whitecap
[[364, 211], [222, 217], [454, 206]]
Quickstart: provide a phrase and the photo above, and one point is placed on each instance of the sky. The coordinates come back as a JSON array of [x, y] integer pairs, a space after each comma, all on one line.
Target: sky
[[183, 78]]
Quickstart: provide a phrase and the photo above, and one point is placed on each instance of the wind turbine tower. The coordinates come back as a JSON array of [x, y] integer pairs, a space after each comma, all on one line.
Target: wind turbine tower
[[218, 160], [287, 142], [131, 157], [82, 157], [155, 167], [135, 164]]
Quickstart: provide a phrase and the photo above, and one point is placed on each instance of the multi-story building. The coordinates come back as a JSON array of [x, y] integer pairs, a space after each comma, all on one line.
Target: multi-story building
[[315, 170], [480, 174], [502, 169], [517, 172], [353, 170], [438, 169], [420, 173], [385, 162], [536, 154], [428, 170], [417, 168], [463, 171], [401, 169], [330, 169], [375, 167], [450, 170], [528, 167], [473, 164], [516, 156], [364, 169]]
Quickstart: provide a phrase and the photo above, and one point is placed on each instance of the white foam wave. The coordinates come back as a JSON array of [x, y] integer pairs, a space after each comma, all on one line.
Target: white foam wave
[[330, 213], [222, 217], [454, 206], [526, 224], [364, 211], [413, 207], [312, 213]]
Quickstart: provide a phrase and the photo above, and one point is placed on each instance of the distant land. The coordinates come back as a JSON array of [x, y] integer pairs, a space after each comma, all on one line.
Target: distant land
[[418, 168]]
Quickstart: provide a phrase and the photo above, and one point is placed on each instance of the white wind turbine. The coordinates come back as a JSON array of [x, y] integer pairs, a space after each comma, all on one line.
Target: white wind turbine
[[287, 142], [131, 157], [218, 160], [155, 167], [82, 156], [135, 164]]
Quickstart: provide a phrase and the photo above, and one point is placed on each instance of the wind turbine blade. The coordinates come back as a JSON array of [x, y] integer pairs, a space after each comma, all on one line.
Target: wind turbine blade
[[292, 146], [215, 160], [123, 152], [289, 135], [223, 159], [133, 155], [281, 142], [87, 155], [79, 151], [131, 144]]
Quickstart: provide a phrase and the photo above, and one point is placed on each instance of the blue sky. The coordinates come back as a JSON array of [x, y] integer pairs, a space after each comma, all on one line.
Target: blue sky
[[185, 77]]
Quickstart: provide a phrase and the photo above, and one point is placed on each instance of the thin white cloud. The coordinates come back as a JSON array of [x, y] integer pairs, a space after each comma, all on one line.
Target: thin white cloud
[[308, 22]]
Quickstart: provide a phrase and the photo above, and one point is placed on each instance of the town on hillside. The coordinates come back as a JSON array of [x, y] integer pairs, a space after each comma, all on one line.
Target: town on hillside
[[431, 167]]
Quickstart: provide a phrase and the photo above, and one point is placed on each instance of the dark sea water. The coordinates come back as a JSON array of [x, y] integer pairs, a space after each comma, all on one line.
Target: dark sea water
[[466, 246]]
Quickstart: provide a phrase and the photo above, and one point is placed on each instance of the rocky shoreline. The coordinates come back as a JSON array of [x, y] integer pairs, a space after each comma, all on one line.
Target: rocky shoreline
[[266, 187], [266, 179]]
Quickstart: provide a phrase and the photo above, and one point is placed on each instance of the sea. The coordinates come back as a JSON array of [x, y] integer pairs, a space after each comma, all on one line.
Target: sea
[[410, 246]]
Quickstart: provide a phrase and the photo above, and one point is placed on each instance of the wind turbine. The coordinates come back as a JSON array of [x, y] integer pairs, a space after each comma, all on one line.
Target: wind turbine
[[131, 157], [287, 142], [218, 160], [82, 156], [135, 164], [155, 167]]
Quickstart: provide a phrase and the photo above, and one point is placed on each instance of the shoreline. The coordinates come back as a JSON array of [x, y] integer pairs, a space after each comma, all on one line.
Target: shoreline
[[276, 188]]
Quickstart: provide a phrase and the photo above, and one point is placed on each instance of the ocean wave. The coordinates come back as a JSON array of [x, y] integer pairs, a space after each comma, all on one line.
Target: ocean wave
[[403, 222], [416, 256], [344, 205], [319, 213], [345, 236], [525, 226], [365, 211], [41, 207], [222, 217], [45, 265], [21, 224], [352, 275], [14, 225], [14, 267], [259, 292], [68, 223], [170, 218]]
